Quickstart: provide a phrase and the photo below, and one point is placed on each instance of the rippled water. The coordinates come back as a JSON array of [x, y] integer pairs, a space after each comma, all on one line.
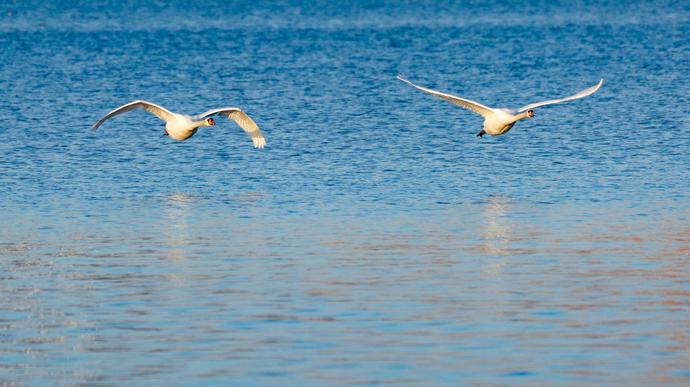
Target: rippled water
[[375, 239]]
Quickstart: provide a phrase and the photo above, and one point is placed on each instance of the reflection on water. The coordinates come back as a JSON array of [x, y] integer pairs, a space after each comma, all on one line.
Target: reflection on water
[[175, 225], [344, 292], [497, 232], [181, 198]]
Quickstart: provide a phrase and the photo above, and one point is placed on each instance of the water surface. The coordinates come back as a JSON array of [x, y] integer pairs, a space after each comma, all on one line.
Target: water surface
[[375, 239]]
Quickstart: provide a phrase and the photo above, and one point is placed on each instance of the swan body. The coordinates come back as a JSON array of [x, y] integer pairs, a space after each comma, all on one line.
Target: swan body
[[500, 121], [181, 126]]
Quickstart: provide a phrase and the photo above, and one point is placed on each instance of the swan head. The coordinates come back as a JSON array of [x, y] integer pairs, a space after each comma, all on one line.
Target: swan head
[[210, 121], [530, 113]]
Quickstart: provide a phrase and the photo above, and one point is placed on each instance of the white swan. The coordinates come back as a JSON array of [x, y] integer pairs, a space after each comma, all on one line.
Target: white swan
[[499, 121], [181, 127]]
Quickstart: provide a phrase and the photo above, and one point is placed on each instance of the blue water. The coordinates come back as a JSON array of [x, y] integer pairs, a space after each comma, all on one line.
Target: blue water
[[375, 239]]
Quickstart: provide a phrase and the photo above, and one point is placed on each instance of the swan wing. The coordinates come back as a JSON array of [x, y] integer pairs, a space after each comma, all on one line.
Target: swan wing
[[462, 102], [159, 111], [578, 95], [242, 119]]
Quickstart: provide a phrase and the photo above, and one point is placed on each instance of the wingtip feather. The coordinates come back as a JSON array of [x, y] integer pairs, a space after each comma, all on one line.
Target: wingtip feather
[[259, 142]]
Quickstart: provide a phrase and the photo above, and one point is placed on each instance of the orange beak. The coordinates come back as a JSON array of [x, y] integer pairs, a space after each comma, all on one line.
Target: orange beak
[[211, 121]]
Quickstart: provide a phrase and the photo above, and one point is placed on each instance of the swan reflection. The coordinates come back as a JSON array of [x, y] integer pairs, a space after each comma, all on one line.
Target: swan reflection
[[497, 228], [177, 230], [497, 232]]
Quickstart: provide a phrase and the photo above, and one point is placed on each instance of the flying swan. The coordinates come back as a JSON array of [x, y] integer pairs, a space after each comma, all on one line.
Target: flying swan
[[181, 127], [499, 121]]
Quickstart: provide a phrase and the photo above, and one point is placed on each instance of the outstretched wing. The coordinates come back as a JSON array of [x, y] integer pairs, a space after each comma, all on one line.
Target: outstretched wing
[[581, 94], [242, 119], [462, 102], [160, 112]]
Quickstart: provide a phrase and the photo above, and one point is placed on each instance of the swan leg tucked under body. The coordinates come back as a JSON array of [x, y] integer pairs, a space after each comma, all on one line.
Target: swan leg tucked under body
[[181, 127], [500, 121]]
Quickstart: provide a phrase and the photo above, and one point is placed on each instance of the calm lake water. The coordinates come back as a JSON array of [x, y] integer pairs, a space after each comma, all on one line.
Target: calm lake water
[[375, 239]]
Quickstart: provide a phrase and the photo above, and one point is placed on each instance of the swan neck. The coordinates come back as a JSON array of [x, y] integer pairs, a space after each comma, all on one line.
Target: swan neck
[[521, 116]]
